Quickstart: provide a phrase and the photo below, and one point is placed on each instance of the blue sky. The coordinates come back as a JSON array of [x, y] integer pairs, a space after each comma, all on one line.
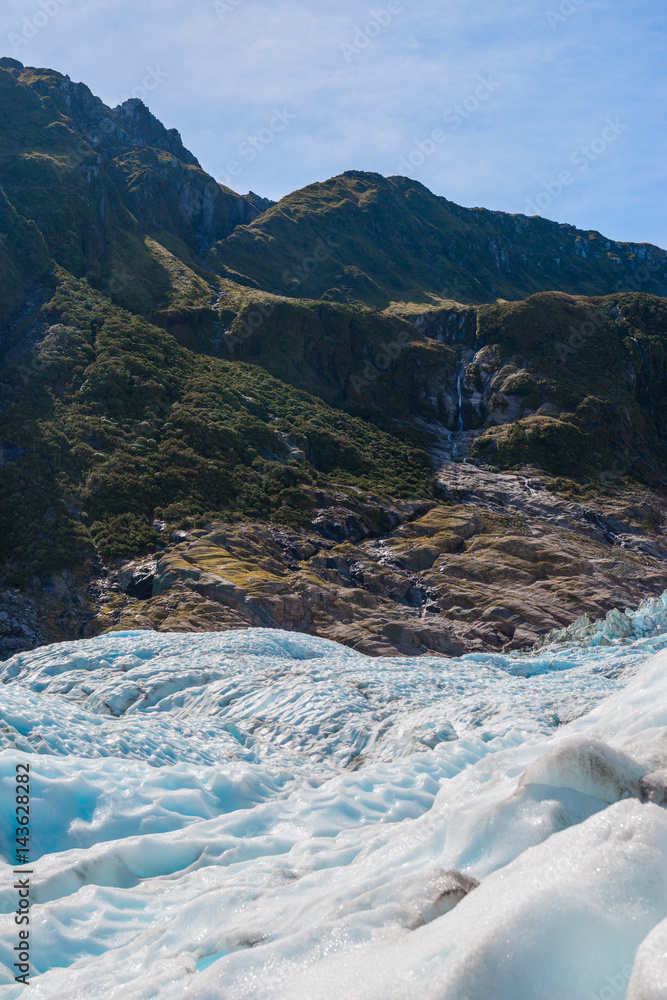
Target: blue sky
[[522, 105]]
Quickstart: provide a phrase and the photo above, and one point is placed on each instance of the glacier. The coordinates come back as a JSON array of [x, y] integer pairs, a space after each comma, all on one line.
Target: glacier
[[263, 814]]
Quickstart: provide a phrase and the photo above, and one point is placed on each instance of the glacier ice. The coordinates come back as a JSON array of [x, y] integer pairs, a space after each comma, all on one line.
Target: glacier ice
[[261, 814], [649, 619], [649, 973]]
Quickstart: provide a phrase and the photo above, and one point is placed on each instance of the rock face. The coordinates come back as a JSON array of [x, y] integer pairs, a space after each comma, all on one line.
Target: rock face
[[573, 384], [94, 176], [60, 606], [496, 571], [375, 435]]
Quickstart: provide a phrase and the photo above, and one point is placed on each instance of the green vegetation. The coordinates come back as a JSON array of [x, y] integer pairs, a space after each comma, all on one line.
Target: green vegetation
[[601, 362], [24, 259], [122, 425], [375, 241], [351, 357], [169, 354], [559, 446]]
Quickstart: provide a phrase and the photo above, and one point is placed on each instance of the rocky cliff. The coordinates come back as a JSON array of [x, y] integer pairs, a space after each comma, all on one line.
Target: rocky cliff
[[364, 412]]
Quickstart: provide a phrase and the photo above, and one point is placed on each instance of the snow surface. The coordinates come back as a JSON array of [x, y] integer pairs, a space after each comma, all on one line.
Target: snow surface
[[261, 814]]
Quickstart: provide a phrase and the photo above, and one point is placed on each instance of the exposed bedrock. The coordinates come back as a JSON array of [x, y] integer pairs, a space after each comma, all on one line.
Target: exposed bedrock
[[496, 571]]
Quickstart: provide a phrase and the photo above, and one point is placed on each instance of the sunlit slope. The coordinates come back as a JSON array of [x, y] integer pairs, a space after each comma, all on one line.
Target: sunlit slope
[[113, 424], [363, 238], [177, 360]]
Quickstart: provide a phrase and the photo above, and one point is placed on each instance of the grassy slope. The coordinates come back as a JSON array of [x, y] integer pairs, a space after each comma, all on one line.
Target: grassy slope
[[73, 167], [374, 241], [598, 362], [120, 424], [602, 363]]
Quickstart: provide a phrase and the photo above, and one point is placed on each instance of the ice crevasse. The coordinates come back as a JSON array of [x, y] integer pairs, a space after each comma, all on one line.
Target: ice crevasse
[[262, 814]]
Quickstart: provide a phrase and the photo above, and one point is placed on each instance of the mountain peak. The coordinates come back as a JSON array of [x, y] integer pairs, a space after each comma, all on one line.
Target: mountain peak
[[144, 129], [97, 170], [390, 240], [167, 362], [129, 126]]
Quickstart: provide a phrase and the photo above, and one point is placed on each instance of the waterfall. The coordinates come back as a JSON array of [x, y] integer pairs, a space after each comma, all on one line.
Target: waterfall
[[459, 430], [459, 386]]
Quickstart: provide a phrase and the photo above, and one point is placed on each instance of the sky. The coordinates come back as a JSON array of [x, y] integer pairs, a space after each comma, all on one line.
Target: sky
[[550, 107]]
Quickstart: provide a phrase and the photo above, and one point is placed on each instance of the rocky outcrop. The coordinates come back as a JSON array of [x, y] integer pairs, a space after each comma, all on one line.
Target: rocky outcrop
[[59, 607], [496, 570]]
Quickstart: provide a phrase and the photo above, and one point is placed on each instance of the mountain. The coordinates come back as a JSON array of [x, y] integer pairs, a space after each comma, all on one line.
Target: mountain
[[363, 412], [98, 178], [374, 240]]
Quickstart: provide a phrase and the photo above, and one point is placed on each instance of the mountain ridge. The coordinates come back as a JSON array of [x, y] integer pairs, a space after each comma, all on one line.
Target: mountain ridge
[[367, 224], [321, 414]]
